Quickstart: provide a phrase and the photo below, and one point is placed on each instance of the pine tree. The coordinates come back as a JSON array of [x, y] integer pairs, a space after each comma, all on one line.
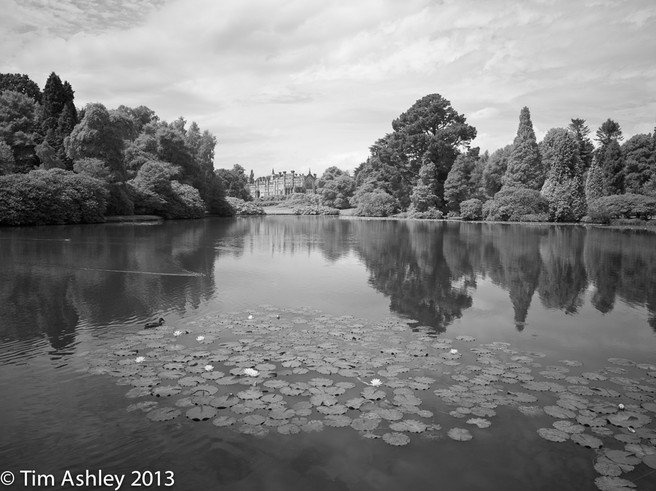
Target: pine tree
[[595, 184], [563, 188], [524, 164], [457, 187], [612, 165], [585, 146]]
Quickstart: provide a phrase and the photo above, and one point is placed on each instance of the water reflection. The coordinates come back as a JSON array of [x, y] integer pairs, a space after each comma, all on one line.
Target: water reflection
[[55, 279]]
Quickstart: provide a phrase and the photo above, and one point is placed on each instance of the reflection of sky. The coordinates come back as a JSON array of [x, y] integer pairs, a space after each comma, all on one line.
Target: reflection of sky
[[621, 333]]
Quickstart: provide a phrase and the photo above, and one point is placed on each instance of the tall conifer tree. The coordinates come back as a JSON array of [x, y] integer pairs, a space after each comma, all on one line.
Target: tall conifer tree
[[524, 164]]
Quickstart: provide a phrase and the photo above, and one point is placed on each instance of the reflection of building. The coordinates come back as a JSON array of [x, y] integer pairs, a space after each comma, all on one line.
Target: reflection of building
[[281, 183]]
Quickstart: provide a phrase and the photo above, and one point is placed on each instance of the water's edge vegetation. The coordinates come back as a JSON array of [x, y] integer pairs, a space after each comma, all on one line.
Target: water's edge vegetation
[[61, 164]]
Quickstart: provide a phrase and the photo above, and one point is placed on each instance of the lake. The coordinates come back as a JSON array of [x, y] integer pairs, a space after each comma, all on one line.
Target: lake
[[328, 353]]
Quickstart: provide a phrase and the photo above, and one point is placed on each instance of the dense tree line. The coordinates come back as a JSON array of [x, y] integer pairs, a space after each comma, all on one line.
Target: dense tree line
[[143, 164], [426, 168]]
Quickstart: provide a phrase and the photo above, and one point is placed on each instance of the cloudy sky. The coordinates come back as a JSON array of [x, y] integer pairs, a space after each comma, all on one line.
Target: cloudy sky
[[305, 84]]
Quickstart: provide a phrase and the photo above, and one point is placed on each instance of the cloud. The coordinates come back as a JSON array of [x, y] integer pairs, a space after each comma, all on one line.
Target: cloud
[[288, 84]]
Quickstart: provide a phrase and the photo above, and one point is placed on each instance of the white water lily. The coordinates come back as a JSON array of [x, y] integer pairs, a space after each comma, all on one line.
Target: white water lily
[[376, 382], [139, 359], [250, 316], [209, 368], [251, 372], [620, 407], [453, 351], [177, 333], [200, 338]]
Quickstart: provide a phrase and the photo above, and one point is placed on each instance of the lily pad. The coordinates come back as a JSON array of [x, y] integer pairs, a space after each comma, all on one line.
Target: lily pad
[[606, 483], [480, 422], [396, 439], [553, 435], [459, 434], [163, 414], [587, 441], [201, 413]]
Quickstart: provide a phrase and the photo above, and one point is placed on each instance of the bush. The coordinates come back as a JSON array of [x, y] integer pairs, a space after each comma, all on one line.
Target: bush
[[302, 199], [604, 209], [376, 204], [516, 204], [241, 207], [315, 210], [471, 209], [51, 196], [119, 201], [428, 214]]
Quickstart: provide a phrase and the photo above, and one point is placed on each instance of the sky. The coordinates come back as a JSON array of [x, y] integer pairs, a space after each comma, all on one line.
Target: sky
[[306, 84]]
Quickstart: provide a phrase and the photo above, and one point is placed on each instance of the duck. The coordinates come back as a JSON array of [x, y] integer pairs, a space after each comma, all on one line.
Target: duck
[[158, 323]]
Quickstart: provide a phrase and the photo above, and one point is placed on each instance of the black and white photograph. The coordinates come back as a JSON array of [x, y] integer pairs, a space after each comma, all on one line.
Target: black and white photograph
[[301, 245]]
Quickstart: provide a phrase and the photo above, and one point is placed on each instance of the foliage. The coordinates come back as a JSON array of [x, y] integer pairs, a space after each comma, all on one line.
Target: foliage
[[336, 187], [524, 163], [622, 206], [96, 137], [235, 182], [611, 163], [48, 156], [6, 159], [431, 131], [92, 167], [376, 204], [563, 188], [58, 115], [51, 196], [495, 169], [584, 144], [428, 214], [458, 185], [471, 209], [302, 199], [120, 201], [17, 119], [20, 83], [241, 207], [639, 155], [595, 184], [315, 210], [609, 131], [514, 204], [424, 194]]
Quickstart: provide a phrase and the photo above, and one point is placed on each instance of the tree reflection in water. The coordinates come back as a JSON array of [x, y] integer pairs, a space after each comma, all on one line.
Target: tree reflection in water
[[55, 278]]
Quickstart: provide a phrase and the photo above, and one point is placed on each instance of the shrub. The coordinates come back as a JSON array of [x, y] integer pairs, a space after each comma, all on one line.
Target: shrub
[[471, 209], [514, 204], [241, 207], [315, 210], [51, 196], [376, 204], [119, 201], [302, 199], [428, 214], [622, 206]]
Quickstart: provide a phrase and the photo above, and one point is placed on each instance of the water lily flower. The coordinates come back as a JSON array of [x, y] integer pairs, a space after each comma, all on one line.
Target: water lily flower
[[209, 368], [177, 333], [139, 359], [453, 351], [251, 372], [200, 338], [376, 382], [250, 316], [620, 407]]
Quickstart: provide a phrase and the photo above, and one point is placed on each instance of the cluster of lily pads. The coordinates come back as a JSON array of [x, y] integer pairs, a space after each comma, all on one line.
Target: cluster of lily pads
[[288, 371]]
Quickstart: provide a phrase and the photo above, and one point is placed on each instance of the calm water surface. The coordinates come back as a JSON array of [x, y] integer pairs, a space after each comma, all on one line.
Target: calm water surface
[[564, 292]]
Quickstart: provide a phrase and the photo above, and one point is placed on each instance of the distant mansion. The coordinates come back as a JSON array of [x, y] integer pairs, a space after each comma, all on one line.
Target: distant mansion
[[282, 183]]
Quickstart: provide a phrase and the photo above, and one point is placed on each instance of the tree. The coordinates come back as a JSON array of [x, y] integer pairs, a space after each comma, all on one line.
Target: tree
[[48, 156], [424, 194], [20, 83], [611, 163], [6, 159], [564, 188], [457, 187], [17, 124], [495, 169], [638, 153], [336, 188], [431, 131], [595, 183], [235, 182], [96, 137], [609, 131], [524, 164], [585, 146]]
